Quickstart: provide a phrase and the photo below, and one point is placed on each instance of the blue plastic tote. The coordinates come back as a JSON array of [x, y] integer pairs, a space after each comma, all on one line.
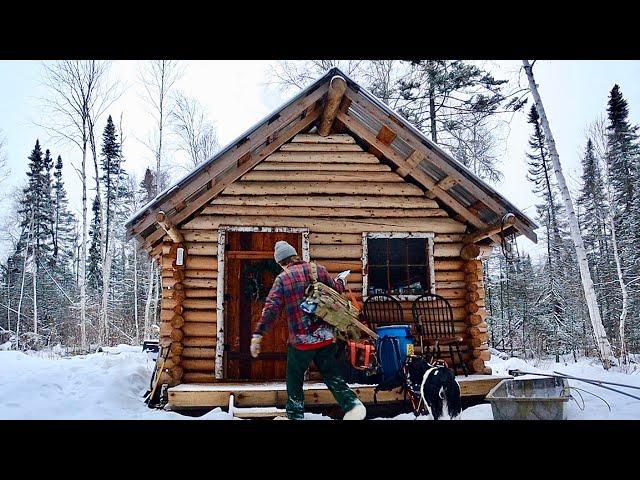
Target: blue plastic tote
[[393, 345]]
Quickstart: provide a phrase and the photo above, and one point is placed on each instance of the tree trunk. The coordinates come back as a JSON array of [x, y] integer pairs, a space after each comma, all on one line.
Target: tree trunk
[[587, 284], [83, 253], [135, 292], [432, 103]]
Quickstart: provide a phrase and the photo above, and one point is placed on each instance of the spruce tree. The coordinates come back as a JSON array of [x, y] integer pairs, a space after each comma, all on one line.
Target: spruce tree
[[94, 262], [112, 174], [63, 221]]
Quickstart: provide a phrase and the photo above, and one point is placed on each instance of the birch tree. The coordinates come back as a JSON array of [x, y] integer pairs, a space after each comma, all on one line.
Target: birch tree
[[587, 283]]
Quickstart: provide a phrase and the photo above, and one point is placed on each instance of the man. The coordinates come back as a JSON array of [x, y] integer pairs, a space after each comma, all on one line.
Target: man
[[310, 338]]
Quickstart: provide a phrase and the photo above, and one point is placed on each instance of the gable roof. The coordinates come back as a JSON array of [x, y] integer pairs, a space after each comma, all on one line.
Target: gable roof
[[369, 120]]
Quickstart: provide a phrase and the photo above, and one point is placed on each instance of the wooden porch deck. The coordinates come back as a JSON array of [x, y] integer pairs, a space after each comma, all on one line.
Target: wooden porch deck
[[274, 394]]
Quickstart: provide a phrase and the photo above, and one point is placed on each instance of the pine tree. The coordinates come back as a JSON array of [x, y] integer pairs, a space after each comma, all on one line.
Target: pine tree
[[63, 221], [94, 262], [112, 174]]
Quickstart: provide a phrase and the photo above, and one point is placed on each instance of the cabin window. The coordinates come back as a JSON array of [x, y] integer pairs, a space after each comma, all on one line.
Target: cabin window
[[399, 264]]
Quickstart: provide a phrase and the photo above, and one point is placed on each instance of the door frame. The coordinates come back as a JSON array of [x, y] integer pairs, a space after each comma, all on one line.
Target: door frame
[[221, 364]]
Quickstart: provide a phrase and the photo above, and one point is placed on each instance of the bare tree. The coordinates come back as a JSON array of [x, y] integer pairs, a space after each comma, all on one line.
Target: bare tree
[[197, 136], [79, 94], [587, 283], [598, 132], [4, 171], [158, 78]]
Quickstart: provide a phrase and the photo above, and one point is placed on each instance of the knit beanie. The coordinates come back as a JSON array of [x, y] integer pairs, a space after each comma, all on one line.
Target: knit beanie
[[283, 250]]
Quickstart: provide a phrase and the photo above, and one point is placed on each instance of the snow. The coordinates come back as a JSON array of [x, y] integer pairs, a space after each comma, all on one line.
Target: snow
[[110, 385]]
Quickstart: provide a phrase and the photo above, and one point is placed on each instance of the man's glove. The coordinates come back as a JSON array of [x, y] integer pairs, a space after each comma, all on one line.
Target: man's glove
[[255, 345]]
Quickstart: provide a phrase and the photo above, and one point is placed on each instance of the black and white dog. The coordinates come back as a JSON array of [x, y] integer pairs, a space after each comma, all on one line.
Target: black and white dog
[[438, 389], [432, 387]]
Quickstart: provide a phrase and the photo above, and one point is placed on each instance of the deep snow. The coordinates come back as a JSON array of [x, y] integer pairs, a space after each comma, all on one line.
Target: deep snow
[[110, 385]]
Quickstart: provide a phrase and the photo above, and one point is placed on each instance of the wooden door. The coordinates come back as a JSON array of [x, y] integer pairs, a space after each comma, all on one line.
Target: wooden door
[[249, 274]]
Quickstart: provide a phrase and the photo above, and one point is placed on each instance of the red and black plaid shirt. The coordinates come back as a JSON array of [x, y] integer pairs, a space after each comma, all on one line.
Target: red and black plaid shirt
[[288, 292]]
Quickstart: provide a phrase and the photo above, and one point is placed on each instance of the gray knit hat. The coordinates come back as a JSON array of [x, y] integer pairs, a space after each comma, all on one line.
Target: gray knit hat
[[283, 250]]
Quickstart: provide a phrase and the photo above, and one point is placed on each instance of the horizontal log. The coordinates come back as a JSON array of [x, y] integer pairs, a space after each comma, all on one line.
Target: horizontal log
[[321, 147], [299, 188], [199, 352], [440, 285], [315, 138], [335, 238], [446, 249], [199, 304], [335, 266], [199, 341], [470, 251], [319, 176], [450, 293], [200, 293], [199, 364], [442, 238], [335, 251], [478, 341], [196, 248], [302, 200], [177, 321], [200, 235], [193, 262], [453, 265], [198, 377], [310, 157], [482, 354], [373, 212], [449, 276], [206, 316], [315, 166], [472, 307], [191, 283], [177, 348], [199, 329], [322, 225], [199, 274], [176, 334]]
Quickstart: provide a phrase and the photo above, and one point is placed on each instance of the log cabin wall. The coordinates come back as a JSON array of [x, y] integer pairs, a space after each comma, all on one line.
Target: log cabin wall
[[338, 191]]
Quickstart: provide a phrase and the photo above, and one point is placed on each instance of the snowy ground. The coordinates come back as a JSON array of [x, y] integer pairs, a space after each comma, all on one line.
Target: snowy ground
[[110, 385]]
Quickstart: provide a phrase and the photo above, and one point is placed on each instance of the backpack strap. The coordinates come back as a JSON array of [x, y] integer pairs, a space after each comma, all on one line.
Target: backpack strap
[[314, 272]]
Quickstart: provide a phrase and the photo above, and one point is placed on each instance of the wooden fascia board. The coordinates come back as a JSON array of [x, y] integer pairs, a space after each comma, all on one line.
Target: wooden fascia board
[[221, 164], [414, 142]]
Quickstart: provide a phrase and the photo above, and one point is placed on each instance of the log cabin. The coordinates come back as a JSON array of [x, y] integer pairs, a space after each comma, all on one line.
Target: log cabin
[[352, 185]]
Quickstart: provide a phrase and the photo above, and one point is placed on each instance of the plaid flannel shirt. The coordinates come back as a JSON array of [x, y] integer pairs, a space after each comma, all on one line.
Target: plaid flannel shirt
[[288, 292]]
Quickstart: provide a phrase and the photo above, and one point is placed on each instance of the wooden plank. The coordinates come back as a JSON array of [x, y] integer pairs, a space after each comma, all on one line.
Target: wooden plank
[[322, 157], [386, 135], [447, 182], [320, 176], [321, 225], [447, 249], [327, 167], [246, 395], [300, 188], [288, 211], [315, 138], [302, 200]]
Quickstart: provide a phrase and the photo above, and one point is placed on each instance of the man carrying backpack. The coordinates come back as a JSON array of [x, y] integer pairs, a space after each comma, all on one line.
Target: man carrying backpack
[[310, 338]]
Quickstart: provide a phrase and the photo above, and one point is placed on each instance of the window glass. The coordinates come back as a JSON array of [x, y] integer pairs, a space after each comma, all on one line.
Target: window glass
[[398, 266]]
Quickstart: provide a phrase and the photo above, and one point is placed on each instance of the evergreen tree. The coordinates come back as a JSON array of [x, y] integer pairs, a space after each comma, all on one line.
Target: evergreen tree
[[94, 262], [63, 220], [112, 174]]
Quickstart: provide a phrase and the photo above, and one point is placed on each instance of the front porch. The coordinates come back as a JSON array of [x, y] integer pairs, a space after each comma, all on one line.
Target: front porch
[[274, 394]]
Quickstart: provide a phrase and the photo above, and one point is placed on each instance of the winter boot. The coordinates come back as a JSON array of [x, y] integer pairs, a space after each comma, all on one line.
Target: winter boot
[[358, 412]]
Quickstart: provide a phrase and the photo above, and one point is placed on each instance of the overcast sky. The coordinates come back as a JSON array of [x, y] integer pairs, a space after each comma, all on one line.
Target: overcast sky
[[237, 95]]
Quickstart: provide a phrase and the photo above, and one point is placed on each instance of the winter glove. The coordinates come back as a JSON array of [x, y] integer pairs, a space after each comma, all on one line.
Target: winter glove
[[255, 345]]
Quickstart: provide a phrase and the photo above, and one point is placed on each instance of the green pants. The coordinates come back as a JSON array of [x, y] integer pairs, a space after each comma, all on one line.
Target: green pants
[[325, 360]]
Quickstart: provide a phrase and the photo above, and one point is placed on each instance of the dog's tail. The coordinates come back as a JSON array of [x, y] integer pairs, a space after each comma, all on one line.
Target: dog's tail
[[452, 396]]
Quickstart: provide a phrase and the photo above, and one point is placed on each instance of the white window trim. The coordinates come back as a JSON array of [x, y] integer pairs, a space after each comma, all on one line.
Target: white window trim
[[430, 259], [220, 364]]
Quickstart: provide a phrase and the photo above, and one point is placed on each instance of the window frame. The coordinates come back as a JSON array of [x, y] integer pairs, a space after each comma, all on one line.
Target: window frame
[[398, 235]]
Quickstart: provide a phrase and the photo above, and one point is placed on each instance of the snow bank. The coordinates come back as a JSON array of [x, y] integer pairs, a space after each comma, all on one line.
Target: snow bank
[[110, 385]]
